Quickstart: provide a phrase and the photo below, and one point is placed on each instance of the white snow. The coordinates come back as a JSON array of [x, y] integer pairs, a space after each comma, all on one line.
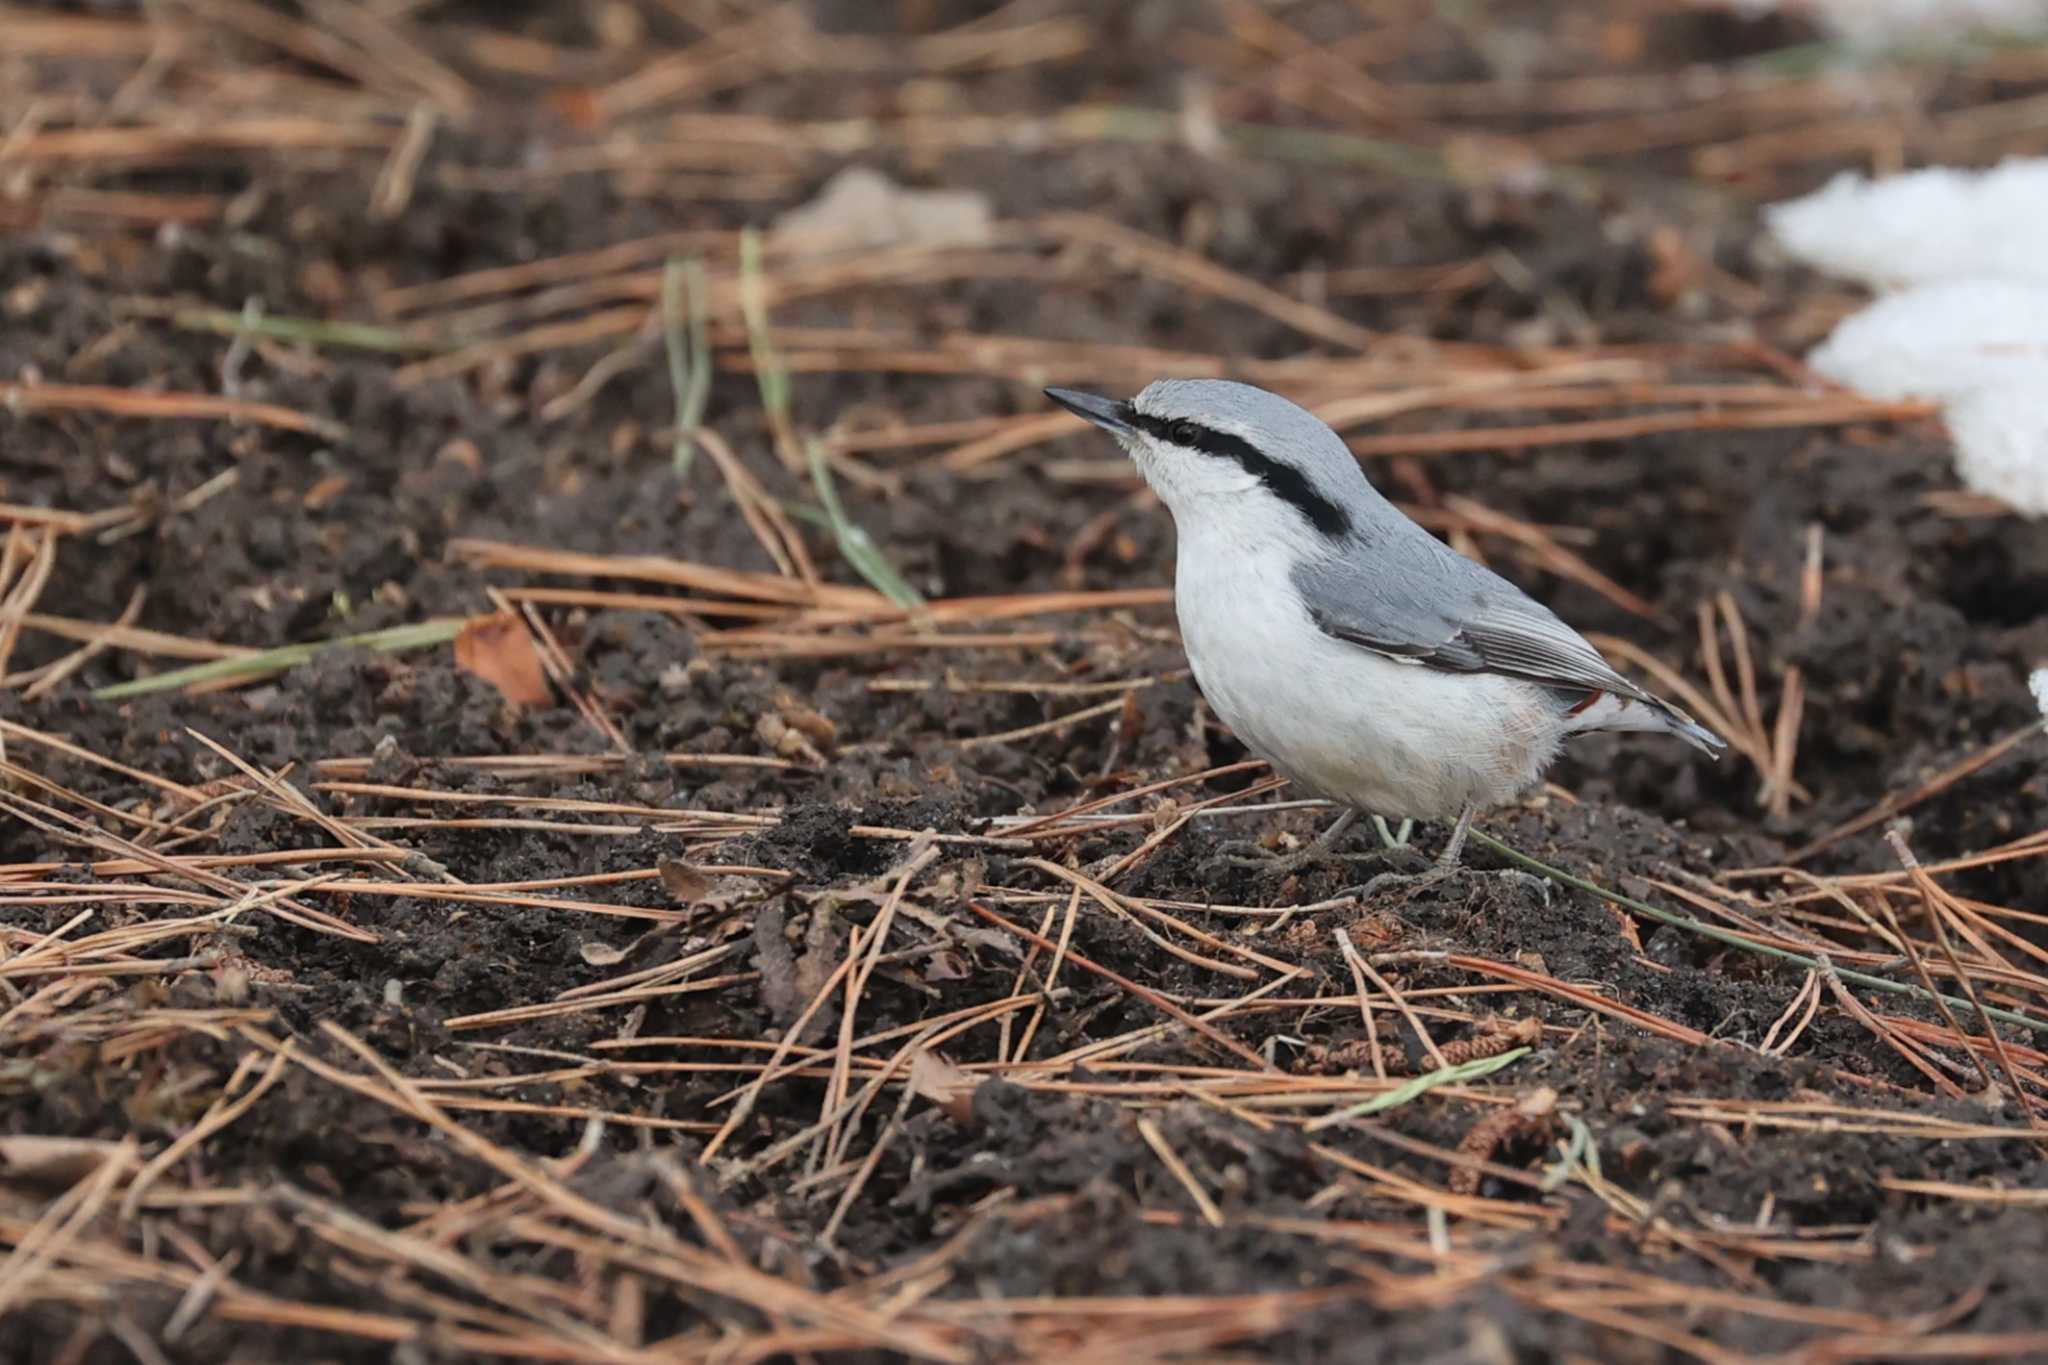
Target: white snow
[[1936, 224], [1943, 341], [1969, 327], [1877, 24], [2001, 437]]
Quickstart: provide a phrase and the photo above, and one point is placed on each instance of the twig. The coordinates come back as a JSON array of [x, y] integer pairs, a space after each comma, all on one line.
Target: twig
[[1932, 897], [1386, 988], [137, 403], [1735, 940], [1150, 997], [1170, 1159], [1357, 964]]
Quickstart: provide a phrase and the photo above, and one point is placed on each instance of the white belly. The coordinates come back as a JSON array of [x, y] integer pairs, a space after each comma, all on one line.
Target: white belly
[[1347, 724]]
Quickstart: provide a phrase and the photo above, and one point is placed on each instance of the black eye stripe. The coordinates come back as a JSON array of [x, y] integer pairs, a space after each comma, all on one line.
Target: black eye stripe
[[1289, 484]]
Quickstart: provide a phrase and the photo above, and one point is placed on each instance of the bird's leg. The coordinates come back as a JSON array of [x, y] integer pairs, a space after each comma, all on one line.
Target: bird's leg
[[1245, 853], [1448, 865]]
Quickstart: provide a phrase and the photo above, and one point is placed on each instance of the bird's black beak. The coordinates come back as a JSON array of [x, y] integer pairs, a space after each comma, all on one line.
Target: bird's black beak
[[1112, 416]]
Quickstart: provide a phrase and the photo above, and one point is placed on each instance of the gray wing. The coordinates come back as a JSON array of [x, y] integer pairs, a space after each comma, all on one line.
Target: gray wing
[[1444, 611]]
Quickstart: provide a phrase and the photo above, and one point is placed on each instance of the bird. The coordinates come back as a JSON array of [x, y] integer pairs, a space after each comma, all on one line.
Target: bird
[[1365, 660]]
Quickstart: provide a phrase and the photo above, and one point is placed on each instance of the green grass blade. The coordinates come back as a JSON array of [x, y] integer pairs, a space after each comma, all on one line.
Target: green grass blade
[[392, 640], [856, 544], [1420, 1086], [361, 336], [768, 369], [686, 333]]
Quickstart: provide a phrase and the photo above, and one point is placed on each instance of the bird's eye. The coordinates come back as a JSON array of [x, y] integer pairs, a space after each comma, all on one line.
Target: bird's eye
[[1183, 433]]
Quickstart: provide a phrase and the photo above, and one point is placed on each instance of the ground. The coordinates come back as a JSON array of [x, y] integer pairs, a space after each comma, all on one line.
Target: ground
[[674, 948]]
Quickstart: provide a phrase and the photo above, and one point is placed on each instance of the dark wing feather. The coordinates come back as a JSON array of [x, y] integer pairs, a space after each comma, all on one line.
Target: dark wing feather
[[1450, 613]]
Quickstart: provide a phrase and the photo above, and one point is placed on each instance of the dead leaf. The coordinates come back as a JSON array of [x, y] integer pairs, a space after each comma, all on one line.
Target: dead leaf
[[684, 883], [959, 879], [824, 944], [460, 450], [996, 941], [862, 209], [1676, 270], [811, 724], [776, 963], [499, 650], [1130, 722], [602, 954], [577, 106], [791, 980], [947, 965], [786, 741], [1165, 813], [945, 1085]]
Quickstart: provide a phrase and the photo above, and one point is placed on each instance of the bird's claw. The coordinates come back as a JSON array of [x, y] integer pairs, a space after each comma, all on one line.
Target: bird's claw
[[1436, 875], [1247, 853]]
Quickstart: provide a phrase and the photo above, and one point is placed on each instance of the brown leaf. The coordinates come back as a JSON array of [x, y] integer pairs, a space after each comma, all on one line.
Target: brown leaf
[[462, 451], [812, 724], [945, 1085], [602, 954], [823, 945], [1130, 721], [789, 980], [577, 106], [499, 650], [776, 961], [1675, 268], [685, 884], [786, 740], [947, 965]]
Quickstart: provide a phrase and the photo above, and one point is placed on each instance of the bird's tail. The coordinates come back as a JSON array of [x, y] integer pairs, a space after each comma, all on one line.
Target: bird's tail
[[1694, 733], [1609, 711]]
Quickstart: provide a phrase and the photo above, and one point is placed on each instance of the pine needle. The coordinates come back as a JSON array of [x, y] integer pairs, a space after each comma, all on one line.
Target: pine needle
[[245, 667]]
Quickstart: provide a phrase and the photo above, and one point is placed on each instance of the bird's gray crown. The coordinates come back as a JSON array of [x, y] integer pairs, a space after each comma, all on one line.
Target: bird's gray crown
[[1291, 450]]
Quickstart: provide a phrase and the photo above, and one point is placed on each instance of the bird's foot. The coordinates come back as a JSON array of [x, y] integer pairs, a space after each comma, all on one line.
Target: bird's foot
[[1439, 873], [1249, 853]]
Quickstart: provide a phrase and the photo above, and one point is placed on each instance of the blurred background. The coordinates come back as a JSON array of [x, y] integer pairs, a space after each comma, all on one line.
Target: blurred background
[[436, 277], [581, 470]]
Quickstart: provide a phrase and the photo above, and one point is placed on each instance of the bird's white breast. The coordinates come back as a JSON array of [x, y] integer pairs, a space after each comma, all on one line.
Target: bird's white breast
[[1391, 738]]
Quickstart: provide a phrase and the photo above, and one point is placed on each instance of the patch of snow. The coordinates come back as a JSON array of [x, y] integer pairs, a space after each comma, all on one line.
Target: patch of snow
[[1876, 24], [2001, 437], [1936, 224], [1942, 341], [1969, 329], [862, 209]]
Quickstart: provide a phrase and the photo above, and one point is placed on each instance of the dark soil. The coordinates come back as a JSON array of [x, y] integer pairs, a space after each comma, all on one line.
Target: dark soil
[[1918, 656]]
